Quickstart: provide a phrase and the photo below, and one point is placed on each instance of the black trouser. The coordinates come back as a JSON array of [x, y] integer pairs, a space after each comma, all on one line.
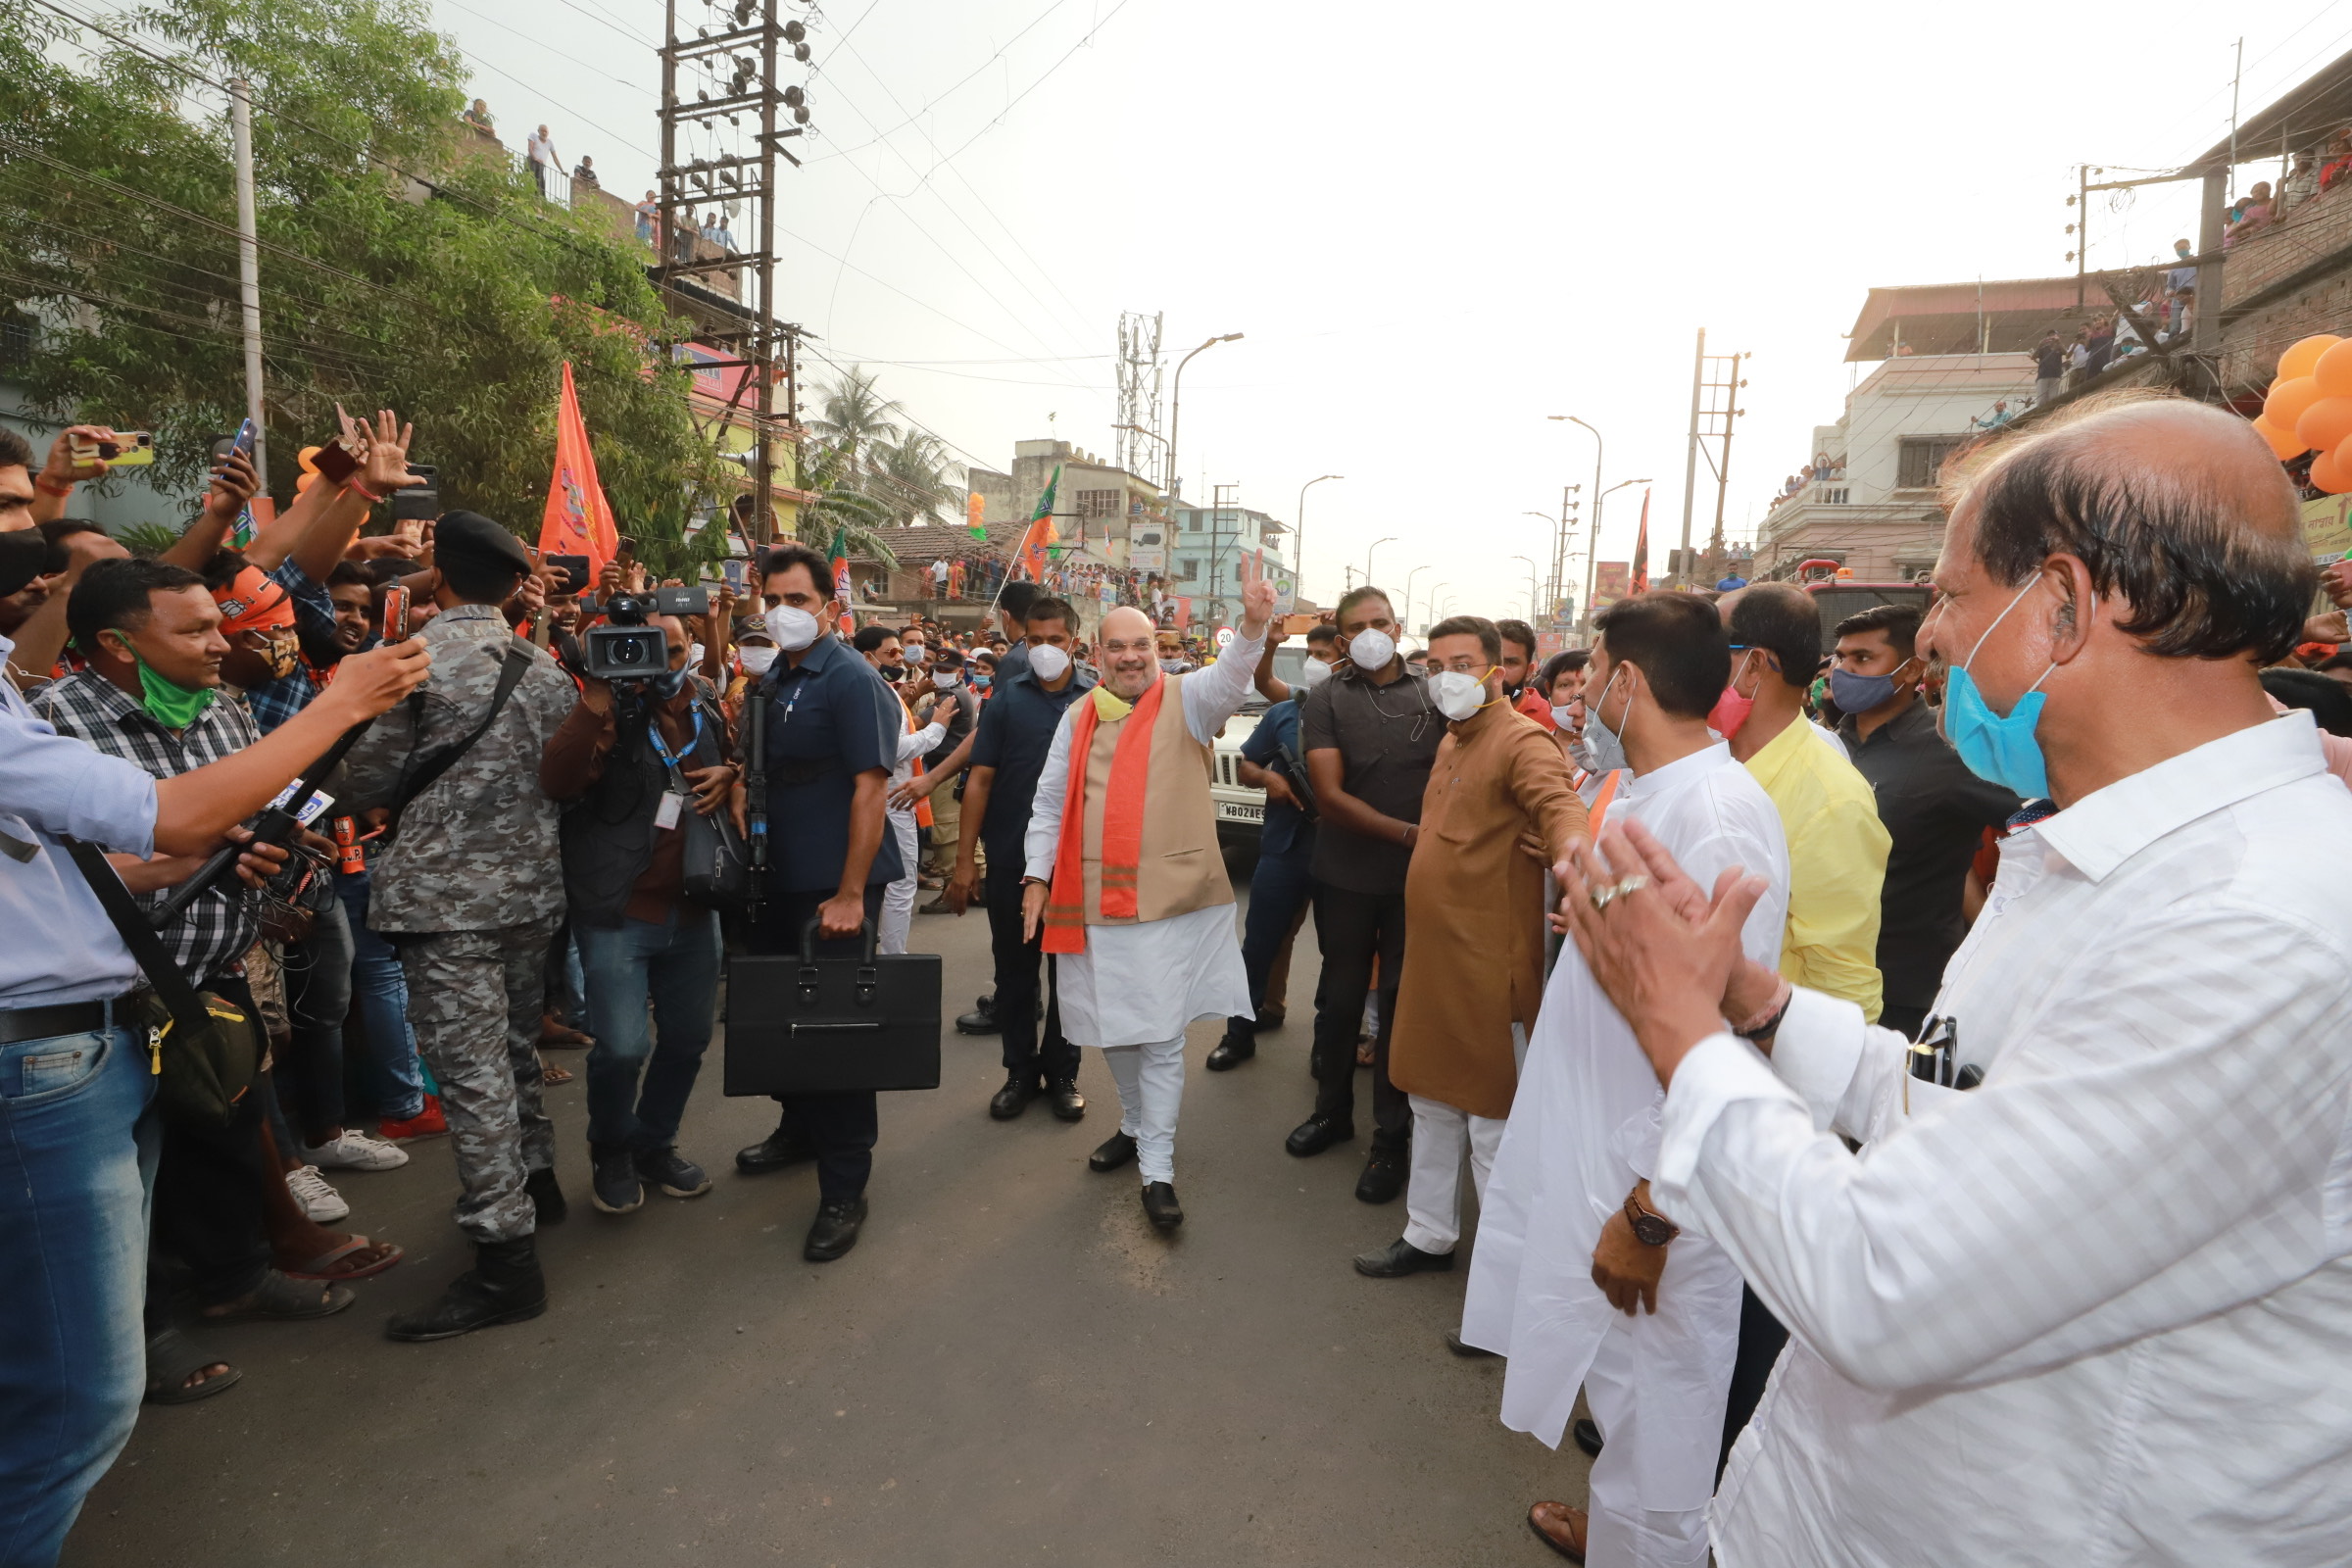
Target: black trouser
[[208, 1189], [843, 1126], [1279, 888], [1761, 1338], [1055, 1057], [1354, 929]]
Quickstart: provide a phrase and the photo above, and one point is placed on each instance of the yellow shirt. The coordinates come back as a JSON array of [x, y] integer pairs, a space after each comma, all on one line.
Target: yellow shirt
[[1837, 865]]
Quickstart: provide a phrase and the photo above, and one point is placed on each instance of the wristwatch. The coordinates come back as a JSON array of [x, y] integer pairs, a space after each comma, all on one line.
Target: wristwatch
[[1650, 1230]]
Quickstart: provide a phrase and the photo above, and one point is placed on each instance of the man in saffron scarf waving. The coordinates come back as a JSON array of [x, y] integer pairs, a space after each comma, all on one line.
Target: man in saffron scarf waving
[[1125, 878]]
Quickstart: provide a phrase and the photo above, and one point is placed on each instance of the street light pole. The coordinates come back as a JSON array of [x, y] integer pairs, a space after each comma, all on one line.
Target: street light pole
[[1375, 545], [1176, 406], [1593, 549], [1409, 591], [1530, 583], [1298, 535]]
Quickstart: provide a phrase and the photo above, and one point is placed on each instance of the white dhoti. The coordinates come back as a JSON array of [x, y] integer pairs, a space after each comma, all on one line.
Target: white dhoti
[[897, 898]]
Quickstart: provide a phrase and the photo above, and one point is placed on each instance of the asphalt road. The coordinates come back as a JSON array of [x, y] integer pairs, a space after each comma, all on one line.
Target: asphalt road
[[1010, 1367]]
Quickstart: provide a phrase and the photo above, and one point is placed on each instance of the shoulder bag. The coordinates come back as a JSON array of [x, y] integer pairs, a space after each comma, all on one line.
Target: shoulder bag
[[208, 1052], [517, 656]]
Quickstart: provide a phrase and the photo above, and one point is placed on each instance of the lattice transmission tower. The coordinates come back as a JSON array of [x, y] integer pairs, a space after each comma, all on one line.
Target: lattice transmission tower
[[1142, 450]]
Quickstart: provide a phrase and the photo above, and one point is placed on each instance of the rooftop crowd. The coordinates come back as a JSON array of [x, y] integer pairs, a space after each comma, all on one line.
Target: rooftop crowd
[[1902, 1068]]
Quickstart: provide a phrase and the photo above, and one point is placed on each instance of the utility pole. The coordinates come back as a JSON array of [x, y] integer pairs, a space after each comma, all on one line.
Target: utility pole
[[732, 71], [248, 268], [1714, 411], [1221, 499], [1559, 545], [1698, 375]]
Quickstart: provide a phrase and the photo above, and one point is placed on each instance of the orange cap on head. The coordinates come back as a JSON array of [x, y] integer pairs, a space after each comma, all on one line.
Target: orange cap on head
[[251, 601]]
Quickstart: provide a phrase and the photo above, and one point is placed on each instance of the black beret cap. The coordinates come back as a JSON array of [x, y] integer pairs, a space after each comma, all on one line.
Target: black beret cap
[[475, 540]]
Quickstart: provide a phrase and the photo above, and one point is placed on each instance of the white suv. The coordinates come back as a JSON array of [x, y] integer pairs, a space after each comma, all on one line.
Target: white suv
[[1241, 808]]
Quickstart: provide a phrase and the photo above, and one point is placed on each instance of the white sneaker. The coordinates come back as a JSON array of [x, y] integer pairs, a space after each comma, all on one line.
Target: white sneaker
[[318, 1199], [353, 1149]]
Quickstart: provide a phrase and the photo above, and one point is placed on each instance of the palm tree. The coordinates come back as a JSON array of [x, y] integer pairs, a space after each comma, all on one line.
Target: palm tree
[[856, 418], [841, 505], [915, 478]]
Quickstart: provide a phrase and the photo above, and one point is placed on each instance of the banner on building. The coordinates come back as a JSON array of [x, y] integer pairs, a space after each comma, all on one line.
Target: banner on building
[[1608, 582]]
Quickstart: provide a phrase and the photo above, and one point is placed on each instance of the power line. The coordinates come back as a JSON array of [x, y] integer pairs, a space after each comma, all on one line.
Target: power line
[[952, 89]]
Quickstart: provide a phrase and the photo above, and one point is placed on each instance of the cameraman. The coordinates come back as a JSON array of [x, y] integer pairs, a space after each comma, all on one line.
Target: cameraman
[[618, 759]]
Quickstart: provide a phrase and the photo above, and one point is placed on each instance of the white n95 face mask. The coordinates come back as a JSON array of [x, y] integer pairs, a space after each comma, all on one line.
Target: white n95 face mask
[[1371, 649], [1049, 662], [1457, 693], [793, 628], [1314, 674]]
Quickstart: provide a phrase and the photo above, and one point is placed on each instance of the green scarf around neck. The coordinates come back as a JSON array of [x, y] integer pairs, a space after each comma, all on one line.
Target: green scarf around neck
[[168, 702]]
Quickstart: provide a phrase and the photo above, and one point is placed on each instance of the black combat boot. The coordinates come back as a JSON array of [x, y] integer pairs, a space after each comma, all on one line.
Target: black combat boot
[[504, 1286]]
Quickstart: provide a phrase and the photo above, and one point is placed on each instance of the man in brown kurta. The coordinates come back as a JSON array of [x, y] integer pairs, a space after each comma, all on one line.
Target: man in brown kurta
[[1474, 966]]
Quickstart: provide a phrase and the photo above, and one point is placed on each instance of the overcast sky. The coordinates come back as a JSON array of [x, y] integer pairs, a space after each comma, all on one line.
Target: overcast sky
[[1436, 225]]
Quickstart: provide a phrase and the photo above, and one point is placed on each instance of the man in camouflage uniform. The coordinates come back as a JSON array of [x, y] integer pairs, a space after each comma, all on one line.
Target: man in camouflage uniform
[[471, 890]]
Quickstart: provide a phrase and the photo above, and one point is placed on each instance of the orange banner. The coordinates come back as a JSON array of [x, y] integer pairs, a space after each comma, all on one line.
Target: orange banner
[[578, 520]]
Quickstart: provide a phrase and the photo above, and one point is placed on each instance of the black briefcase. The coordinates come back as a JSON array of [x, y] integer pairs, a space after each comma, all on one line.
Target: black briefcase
[[807, 1025]]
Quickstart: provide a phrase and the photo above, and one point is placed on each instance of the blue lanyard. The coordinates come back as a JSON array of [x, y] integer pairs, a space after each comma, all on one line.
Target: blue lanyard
[[653, 730]]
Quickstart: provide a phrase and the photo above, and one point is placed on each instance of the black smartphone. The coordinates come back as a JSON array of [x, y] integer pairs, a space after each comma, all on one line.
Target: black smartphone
[[572, 572]]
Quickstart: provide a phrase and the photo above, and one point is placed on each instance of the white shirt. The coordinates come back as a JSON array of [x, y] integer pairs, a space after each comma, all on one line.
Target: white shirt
[[1584, 1128], [914, 744], [540, 149], [2097, 1311], [1143, 983]]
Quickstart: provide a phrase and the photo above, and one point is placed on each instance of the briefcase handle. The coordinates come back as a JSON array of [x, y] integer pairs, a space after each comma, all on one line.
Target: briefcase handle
[[868, 977]]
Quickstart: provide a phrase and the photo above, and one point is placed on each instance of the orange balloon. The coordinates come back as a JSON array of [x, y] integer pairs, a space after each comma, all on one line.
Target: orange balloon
[[303, 460], [2288, 399], [2284, 444], [303, 482], [2302, 355], [2326, 475], [2326, 423], [2332, 369]]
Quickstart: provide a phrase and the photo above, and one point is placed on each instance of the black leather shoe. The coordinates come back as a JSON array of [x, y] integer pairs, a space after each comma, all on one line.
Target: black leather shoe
[[1013, 1098], [1400, 1258], [981, 1020], [1587, 1438], [1160, 1206], [834, 1231], [1068, 1103], [1383, 1176], [1116, 1150], [1316, 1134], [1230, 1053], [1468, 1352], [504, 1286], [1272, 1017], [547, 1198], [777, 1150]]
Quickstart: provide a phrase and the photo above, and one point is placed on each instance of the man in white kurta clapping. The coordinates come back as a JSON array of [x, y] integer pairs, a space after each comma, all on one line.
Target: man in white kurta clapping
[[1124, 875]]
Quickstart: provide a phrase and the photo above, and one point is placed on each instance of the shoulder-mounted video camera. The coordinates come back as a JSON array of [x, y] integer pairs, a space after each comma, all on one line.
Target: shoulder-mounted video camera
[[625, 647]]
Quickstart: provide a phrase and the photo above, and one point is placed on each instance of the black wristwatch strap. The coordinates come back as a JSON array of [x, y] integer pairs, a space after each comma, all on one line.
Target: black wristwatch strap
[[1650, 1230]]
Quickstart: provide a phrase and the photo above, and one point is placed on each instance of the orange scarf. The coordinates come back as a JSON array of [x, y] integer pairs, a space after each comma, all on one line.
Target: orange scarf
[[1122, 824]]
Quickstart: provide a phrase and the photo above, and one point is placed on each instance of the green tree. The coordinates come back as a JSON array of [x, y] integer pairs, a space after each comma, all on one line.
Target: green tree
[[914, 477], [402, 262]]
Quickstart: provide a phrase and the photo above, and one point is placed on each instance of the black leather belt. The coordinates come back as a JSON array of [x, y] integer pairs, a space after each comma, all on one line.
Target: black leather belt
[[39, 1023]]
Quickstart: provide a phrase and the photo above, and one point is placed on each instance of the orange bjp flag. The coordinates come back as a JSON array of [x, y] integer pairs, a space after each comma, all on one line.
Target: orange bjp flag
[[578, 520]]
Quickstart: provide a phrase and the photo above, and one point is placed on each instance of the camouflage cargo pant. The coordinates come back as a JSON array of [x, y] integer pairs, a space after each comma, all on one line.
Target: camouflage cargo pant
[[473, 1002]]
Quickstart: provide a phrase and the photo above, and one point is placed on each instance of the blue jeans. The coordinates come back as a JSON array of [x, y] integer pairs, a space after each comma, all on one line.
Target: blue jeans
[[395, 1080], [77, 1166], [1279, 888], [676, 965]]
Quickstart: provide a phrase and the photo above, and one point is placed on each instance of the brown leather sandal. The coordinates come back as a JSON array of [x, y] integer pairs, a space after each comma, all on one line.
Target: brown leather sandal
[[1559, 1527]]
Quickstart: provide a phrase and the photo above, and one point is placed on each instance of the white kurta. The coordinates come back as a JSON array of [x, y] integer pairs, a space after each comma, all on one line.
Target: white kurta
[[1583, 1128], [1137, 984]]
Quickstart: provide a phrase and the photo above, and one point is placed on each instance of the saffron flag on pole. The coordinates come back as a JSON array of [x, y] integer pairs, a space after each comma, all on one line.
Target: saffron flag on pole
[[1641, 582], [578, 520], [1040, 537]]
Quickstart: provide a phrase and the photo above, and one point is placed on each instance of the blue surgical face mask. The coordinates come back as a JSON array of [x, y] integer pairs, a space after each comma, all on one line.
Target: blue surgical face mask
[[2002, 749], [1605, 748]]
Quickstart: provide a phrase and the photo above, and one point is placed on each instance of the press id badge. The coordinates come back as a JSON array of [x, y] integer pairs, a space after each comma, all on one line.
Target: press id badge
[[672, 806]]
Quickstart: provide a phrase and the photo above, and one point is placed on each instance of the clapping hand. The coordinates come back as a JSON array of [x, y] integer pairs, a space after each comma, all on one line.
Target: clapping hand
[[1666, 953]]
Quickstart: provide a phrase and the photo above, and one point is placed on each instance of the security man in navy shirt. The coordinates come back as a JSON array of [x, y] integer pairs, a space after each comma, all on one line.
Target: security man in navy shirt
[[833, 728], [1008, 754]]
